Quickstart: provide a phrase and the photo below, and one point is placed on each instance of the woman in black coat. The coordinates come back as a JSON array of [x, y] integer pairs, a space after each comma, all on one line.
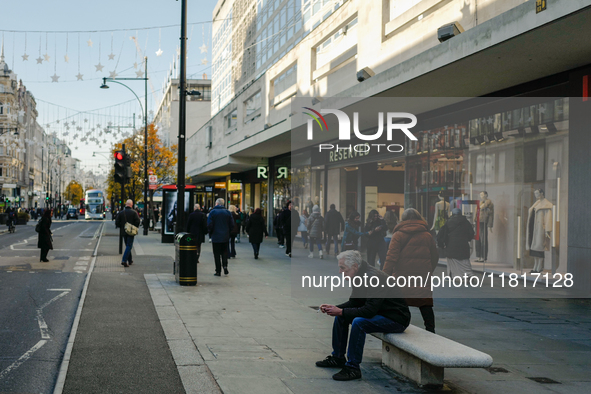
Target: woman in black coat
[[454, 237], [376, 228], [44, 241], [256, 228]]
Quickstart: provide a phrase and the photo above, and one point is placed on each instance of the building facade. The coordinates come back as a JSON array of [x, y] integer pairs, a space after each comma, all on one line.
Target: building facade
[[376, 49], [198, 109]]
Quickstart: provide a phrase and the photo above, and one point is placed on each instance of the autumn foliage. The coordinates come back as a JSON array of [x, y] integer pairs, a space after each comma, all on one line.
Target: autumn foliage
[[162, 162]]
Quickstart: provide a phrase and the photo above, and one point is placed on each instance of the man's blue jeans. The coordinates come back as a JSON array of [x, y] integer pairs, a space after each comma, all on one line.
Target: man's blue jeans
[[359, 327], [128, 245], [330, 239]]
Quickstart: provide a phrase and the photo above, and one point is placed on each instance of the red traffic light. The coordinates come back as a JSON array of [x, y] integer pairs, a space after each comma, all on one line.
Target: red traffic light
[[118, 156]]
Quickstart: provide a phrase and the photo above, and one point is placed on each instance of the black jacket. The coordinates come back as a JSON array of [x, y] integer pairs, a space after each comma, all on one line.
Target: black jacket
[[127, 215], [369, 302], [255, 227], [333, 222], [197, 225], [44, 241], [285, 220], [455, 237], [376, 237]]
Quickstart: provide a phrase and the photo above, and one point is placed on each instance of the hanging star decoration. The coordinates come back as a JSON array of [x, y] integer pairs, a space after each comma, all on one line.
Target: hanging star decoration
[[85, 120], [113, 74], [111, 56], [66, 134], [89, 42], [25, 57], [66, 124], [139, 74], [99, 67], [73, 123], [39, 60], [54, 78], [100, 133], [159, 52], [135, 65], [98, 125], [75, 135], [48, 125], [203, 48], [21, 113], [79, 77], [129, 125], [57, 121], [78, 128], [204, 61], [66, 58], [110, 124], [46, 57]]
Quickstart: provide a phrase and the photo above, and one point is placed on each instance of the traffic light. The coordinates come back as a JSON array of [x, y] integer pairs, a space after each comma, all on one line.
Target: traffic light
[[128, 171], [120, 171]]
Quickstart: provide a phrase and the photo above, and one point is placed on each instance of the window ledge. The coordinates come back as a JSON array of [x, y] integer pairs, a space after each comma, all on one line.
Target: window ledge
[[338, 62]]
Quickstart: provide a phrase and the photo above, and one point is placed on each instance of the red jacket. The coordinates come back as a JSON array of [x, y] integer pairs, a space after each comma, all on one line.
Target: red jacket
[[413, 252]]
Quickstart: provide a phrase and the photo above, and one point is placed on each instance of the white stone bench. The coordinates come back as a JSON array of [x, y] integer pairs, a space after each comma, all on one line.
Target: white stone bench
[[422, 356]]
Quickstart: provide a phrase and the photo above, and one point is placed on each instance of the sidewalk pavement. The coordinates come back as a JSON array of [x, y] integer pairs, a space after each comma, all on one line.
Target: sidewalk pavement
[[247, 330]]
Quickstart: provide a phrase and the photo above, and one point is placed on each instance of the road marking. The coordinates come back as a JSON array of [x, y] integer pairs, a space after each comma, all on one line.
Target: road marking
[[57, 297], [42, 325], [22, 358], [8, 271], [57, 250], [59, 289], [81, 263], [84, 258]]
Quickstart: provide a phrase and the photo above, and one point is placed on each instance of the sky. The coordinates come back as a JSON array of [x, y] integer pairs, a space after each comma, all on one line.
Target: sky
[[74, 105]]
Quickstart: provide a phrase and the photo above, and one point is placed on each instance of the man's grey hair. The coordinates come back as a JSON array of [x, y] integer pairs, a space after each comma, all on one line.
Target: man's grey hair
[[197, 207], [220, 201], [350, 257]]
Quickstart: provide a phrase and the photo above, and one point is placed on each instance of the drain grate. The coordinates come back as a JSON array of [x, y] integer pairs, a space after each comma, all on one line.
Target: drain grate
[[545, 380], [495, 370], [62, 258]]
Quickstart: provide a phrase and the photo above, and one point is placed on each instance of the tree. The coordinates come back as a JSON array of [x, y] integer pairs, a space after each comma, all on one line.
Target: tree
[[74, 193], [161, 161]]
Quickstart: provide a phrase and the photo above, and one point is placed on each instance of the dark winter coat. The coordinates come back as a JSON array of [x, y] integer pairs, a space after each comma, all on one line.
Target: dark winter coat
[[333, 223], [294, 221], [197, 225], [413, 252], [315, 225], [285, 220], [236, 228], [44, 241], [127, 215], [219, 224], [455, 237], [377, 237], [255, 227], [358, 305]]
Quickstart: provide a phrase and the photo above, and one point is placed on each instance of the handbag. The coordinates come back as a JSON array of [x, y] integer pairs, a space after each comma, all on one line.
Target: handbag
[[129, 228], [349, 246], [38, 226]]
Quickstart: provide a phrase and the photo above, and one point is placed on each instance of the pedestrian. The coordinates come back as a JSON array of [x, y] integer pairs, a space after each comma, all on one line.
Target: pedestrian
[[219, 225], [289, 232], [366, 312], [391, 221], [44, 241], [256, 227], [114, 212], [279, 229], [197, 226], [303, 229], [352, 233], [334, 224], [156, 216], [239, 220], [127, 215], [413, 253], [245, 220], [234, 231], [454, 239], [315, 229], [375, 241]]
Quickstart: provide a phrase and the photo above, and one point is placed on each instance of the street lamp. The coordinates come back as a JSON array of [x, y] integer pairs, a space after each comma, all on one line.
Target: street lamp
[[4, 130], [145, 110]]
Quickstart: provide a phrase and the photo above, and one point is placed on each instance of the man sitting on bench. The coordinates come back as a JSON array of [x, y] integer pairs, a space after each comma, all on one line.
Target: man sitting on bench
[[368, 310]]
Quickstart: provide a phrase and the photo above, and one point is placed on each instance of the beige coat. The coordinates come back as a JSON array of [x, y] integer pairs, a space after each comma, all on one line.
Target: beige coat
[[487, 213], [541, 222]]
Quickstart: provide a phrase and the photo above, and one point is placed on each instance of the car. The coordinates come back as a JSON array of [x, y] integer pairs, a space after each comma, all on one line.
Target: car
[[72, 213]]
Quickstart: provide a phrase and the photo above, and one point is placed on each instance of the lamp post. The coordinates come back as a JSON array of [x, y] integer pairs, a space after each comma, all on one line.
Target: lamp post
[[145, 110]]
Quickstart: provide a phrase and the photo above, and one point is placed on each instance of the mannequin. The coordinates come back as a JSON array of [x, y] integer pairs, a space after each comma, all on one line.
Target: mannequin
[[441, 213], [538, 229], [485, 221]]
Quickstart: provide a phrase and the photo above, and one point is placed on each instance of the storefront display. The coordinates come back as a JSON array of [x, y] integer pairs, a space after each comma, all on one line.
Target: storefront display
[[539, 229], [484, 221]]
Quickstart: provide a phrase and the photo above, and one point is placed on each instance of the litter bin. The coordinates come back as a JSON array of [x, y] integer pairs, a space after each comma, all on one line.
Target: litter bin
[[185, 261]]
